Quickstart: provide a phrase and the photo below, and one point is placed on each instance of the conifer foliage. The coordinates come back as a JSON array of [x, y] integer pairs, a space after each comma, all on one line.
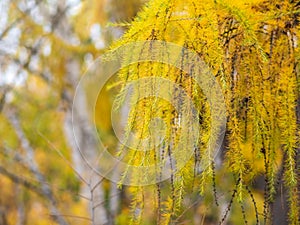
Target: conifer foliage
[[252, 49]]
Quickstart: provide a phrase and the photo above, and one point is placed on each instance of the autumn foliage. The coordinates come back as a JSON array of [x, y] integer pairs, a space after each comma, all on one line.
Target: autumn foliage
[[252, 50]]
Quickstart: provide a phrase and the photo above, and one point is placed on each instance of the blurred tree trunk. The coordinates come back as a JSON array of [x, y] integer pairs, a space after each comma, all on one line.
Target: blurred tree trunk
[[3, 220], [84, 149], [77, 120]]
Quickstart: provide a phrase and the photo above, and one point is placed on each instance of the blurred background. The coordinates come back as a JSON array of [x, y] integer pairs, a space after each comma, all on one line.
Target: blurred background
[[45, 46]]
